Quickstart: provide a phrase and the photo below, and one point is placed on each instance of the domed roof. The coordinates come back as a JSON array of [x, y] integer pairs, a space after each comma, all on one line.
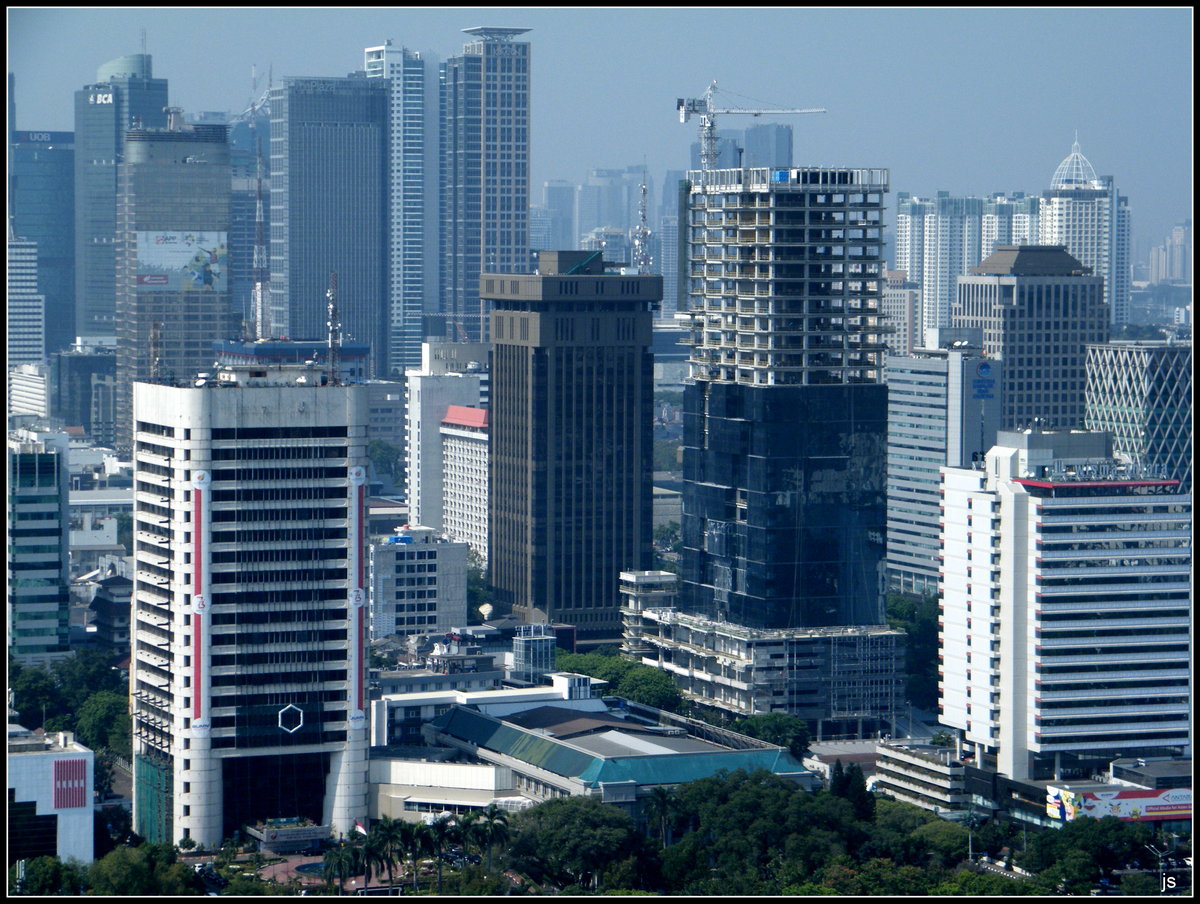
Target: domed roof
[[1074, 171]]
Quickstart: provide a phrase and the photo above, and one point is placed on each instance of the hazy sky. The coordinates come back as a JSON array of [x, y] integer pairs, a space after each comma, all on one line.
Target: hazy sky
[[971, 101]]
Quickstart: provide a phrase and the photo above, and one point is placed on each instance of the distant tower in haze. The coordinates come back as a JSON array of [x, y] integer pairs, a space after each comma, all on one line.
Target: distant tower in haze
[[124, 96], [485, 171], [769, 144], [26, 305], [1084, 212]]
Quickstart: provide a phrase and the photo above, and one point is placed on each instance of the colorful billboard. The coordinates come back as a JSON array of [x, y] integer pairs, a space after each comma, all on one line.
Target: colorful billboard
[[1129, 803], [173, 261]]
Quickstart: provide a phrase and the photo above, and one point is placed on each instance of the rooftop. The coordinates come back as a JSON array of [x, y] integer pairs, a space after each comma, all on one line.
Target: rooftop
[[1031, 260], [1075, 171]]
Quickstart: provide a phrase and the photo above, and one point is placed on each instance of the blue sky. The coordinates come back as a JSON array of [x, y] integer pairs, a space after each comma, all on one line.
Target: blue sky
[[971, 101]]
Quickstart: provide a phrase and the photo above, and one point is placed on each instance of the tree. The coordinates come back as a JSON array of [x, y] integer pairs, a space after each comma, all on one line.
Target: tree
[[387, 459], [660, 808], [493, 826], [573, 840], [919, 620], [146, 870], [102, 722], [782, 729], [36, 696], [339, 864], [441, 833], [389, 841], [416, 842], [50, 876]]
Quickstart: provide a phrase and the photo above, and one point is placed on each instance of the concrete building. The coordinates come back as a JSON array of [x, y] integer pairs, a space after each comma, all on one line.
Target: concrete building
[[1039, 309], [843, 681], [50, 792], [465, 445], [26, 309], [38, 560], [451, 373], [1011, 220], [1084, 213], [248, 671], [558, 197], [29, 390], [83, 389], [353, 357], [944, 408], [768, 144], [172, 286], [329, 210], [933, 778], [1170, 262], [571, 445], [412, 201], [1065, 608], [784, 494], [901, 313], [418, 583], [485, 137], [124, 96], [1141, 393], [41, 204]]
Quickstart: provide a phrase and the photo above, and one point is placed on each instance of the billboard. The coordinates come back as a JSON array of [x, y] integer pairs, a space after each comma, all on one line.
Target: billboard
[[173, 261], [1129, 803]]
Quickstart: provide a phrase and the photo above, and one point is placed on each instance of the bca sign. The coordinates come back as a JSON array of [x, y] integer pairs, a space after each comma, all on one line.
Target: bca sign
[[100, 98]]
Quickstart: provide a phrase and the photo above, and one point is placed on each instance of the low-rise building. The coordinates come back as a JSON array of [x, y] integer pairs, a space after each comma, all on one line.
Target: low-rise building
[[50, 788]]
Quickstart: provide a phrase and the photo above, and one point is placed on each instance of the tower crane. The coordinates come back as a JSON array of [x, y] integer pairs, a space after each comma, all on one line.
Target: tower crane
[[705, 108]]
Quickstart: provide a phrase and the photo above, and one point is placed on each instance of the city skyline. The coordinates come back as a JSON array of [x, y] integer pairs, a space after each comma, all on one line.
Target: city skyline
[[892, 106]]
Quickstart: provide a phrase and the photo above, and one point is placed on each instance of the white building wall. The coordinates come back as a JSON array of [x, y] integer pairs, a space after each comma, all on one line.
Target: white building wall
[[465, 486], [429, 395], [31, 776]]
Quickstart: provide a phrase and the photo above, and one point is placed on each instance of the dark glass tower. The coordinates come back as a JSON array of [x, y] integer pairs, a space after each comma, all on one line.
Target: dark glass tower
[[125, 96], [328, 209], [785, 415], [571, 449]]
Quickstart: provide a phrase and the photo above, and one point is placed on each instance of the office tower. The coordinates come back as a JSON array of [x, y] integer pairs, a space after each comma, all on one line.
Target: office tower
[[901, 310], [558, 197], [1141, 393], [412, 196], [571, 447], [952, 246], [1039, 309], [451, 373], [769, 144], [485, 171], [41, 203], [539, 227], [82, 383], [352, 356], [464, 433], [785, 413], [944, 408], [248, 663], [125, 96], [1008, 221], [1087, 215], [1171, 262], [26, 305], [729, 150], [610, 199], [329, 209], [418, 583], [38, 524], [172, 279], [1065, 607], [29, 390], [668, 265]]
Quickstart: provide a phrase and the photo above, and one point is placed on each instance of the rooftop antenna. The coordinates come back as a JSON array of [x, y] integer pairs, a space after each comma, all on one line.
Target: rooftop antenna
[[335, 333]]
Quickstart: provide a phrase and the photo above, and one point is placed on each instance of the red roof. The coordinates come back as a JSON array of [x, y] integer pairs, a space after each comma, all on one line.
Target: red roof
[[461, 416]]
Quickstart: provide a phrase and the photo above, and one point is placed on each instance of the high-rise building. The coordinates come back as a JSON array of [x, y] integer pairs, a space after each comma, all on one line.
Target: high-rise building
[[944, 408], [248, 664], [329, 209], [41, 203], [418, 583], [485, 171], [82, 383], [1009, 220], [124, 96], [785, 412], [464, 433], [768, 144], [668, 264], [26, 314], [901, 313], [558, 197], [1065, 607], [1039, 309], [172, 279], [1171, 262], [1084, 212], [38, 568], [412, 201], [571, 444], [1141, 393]]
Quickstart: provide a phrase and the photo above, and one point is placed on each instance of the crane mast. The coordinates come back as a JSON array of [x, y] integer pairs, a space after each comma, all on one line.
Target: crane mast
[[706, 109]]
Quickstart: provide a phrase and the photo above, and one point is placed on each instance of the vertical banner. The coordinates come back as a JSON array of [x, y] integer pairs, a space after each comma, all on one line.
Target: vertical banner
[[201, 602], [357, 598]]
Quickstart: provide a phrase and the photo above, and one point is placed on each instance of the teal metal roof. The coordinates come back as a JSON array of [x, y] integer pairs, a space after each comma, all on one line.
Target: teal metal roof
[[555, 756]]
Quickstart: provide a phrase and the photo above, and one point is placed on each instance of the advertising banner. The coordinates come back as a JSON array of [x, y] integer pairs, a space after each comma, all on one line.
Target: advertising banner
[[169, 261], [1130, 803]]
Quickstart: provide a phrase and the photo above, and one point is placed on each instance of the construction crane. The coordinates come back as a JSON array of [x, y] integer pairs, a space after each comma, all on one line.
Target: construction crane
[[707, 111]]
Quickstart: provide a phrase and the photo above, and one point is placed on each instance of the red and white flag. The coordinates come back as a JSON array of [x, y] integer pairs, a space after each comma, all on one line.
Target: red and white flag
[[358, 827]]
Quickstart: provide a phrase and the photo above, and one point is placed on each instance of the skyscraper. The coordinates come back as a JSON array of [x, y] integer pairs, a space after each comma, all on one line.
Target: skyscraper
[[1009, 220], [1065, 607], [785, 418], [768, 144], [1084, 212], [570, 421], [248, 662], [329, 209], [26, 314], [412, 200], [125, 96], [485, 171], [1039, 309], [172, 280], [558, 197]]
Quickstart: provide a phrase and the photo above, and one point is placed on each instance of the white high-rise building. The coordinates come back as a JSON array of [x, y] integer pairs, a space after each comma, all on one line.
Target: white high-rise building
[[1065, 607], [1085, 213], [412, 199], [418, 583], [465, 476], [26, 306], [1008, 221], [248, 671]]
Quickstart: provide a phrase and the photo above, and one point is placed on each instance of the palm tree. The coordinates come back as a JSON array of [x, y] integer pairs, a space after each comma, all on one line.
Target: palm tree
[[493, 826], [368, 856], [415, 843], [441, 832], [468, 831], [389, 838], [339, 865], [660, 807]]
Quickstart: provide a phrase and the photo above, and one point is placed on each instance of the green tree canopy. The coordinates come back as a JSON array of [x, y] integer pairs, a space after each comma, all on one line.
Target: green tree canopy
[[102, 722]]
